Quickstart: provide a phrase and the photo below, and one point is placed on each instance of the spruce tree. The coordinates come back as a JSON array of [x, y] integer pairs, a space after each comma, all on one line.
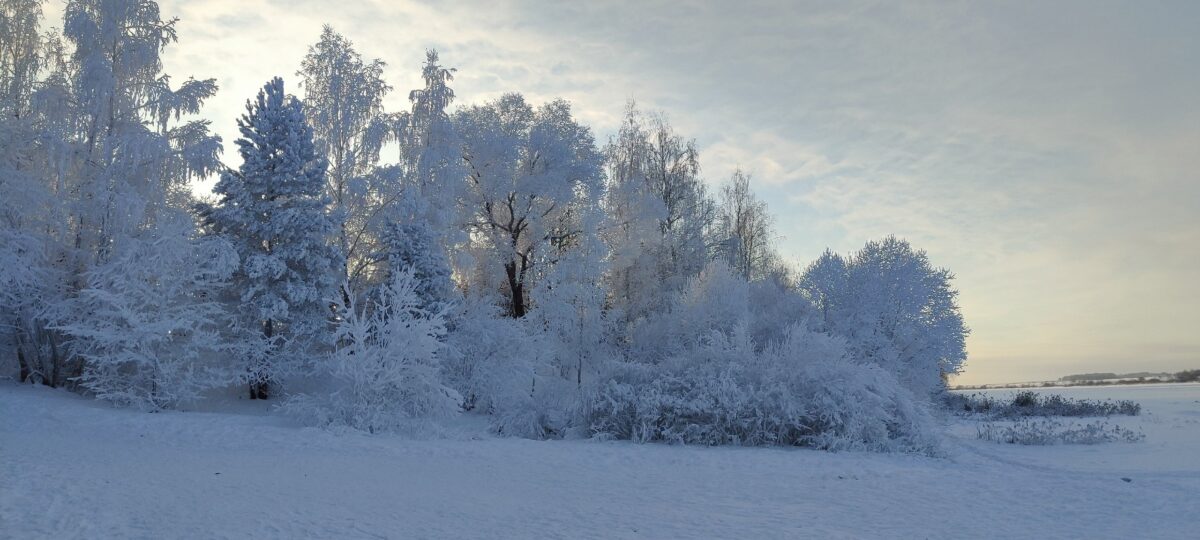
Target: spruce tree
[[273, 210], [412, 247]]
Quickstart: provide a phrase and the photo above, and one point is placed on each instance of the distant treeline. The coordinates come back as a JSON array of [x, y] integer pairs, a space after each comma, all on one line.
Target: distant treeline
[[1104, 376], [1100, 379]]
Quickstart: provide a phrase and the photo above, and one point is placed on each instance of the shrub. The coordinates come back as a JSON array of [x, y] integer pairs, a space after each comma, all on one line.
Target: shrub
[[968, 403], [1025, 398], [386, 368], [502, 369], [802, 392], [1050, 432], [147, 325], [489, 358], [1028, 403]]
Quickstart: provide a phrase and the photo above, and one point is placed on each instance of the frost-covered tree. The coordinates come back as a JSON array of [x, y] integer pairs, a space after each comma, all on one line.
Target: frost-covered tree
[[150, 330], [530, 174], [29, 211], [824, 282], [96, 152], [894, 308], [274, 211], [631, 232], [134, 161], [659, 215], [570, 308], [687, 212], [744, 229], [343, 96], [431, 154], [386, 369], [412, 247], [21, 55], [31, 274]]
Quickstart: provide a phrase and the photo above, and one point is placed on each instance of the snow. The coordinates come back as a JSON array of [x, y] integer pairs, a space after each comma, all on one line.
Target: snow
[[71, 467], [1171, 422]]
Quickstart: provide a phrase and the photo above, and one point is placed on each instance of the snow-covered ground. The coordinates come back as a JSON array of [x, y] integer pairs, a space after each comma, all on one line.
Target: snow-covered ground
[[75, 468]]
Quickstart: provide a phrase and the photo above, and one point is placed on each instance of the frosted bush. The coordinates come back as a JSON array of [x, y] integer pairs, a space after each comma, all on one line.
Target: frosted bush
[[386, 369], [1050, 432], [802, 392], [489, 361], [1028, 403], [544, 412], [147, 325], [503, 370], [713, 301], [777, 307]]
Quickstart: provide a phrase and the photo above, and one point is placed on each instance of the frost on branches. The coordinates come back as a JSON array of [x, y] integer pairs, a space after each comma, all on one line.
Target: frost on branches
[[272, 209], [894, 309], [716, 386], [95, 155], [530, 171], [495, 263], [385, 374], [151, 337], [343, 98]]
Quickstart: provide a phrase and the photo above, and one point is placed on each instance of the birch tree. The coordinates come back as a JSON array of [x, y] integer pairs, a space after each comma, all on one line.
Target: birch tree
[[343, 95]]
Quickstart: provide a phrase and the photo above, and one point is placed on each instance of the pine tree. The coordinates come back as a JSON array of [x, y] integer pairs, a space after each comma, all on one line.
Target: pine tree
[[412, 247], [273, 210]]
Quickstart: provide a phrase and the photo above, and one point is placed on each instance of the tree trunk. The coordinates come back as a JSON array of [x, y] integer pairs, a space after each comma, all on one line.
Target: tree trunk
[[260, 383], [21, 362], [517, 309], [55, 362]]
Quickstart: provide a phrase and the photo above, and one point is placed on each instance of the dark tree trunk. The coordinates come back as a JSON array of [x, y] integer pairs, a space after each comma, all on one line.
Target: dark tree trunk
[[259, 389], [21, 362], [345, 294], [260, 383], [55, 363], [517, 309]]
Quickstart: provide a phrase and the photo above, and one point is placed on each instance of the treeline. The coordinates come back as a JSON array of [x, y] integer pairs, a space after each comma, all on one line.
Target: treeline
[[1099, 379], [1107, 376], [377, 268]]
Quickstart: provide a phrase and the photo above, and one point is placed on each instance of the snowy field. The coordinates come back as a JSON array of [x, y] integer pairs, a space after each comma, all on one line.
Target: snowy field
[[75, 468]]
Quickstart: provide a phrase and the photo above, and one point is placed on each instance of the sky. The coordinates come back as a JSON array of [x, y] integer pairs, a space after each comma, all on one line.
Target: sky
[[1045, 152]]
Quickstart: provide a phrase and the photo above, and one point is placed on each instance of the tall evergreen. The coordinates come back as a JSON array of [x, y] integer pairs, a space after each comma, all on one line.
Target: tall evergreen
[[274, 211], [412, 247]]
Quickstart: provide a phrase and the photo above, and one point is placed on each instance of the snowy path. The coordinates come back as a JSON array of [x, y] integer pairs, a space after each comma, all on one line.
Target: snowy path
[[73, 468]]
